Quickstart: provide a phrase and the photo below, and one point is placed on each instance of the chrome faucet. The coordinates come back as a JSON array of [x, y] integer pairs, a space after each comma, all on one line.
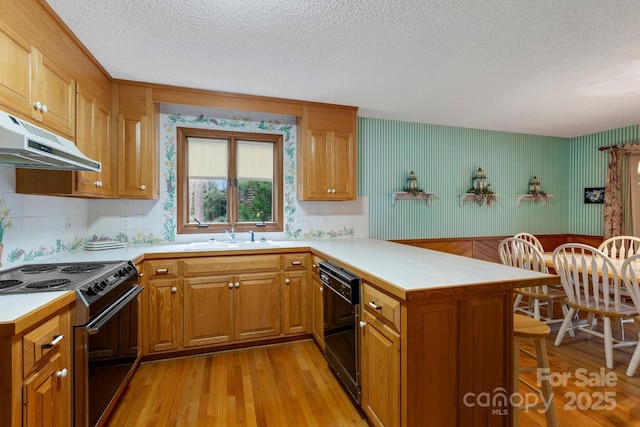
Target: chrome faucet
[[232, 235]]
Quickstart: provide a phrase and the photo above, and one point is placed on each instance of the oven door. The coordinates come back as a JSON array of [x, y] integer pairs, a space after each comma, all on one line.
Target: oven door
[[105, 357], [341, 339]]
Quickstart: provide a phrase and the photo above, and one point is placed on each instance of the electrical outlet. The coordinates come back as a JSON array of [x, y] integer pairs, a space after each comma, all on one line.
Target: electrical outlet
[[302, 220], [68, 224], [125, 223]]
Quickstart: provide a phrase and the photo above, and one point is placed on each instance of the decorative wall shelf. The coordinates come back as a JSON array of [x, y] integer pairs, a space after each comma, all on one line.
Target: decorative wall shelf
[[529, 197], [468, 197], [403, 195]]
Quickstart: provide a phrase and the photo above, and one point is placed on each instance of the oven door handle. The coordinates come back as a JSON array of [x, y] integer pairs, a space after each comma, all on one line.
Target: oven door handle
[[94, 326]]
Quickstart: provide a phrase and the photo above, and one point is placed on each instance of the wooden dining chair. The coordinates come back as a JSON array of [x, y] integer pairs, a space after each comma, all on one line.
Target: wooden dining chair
[[620, 247], [516, 252], [592, 285], [631, 275]]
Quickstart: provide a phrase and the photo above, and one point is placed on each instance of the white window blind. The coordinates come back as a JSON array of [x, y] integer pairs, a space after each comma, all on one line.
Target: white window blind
[[208, 158], [255, 161]]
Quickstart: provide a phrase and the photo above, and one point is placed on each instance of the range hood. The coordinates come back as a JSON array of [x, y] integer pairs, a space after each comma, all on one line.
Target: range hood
[[25, 145]]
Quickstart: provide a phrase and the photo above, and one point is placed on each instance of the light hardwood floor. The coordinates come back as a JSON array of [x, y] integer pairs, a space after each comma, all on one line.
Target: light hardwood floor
[[280, 385], [291, 385], [581, 399]]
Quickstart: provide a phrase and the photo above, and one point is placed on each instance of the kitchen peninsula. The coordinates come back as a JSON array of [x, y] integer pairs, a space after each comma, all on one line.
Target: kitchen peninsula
[[449, 317]]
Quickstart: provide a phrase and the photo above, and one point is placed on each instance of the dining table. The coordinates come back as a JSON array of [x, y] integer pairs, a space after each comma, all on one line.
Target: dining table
[[617, 263]]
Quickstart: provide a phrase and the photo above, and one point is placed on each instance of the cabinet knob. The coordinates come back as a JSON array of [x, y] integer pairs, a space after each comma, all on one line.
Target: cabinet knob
[[237, 284], [363, 323], [230, 285], [321, 289], [140, 274], [328, 190], [143, 187], [63, 373], [37, 105], [44, 108], [333, 190], [174, 290], [314, 265], [287, 281]]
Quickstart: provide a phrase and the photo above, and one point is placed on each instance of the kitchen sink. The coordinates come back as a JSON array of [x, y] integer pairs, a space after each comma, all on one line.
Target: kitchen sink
[[219, 246]]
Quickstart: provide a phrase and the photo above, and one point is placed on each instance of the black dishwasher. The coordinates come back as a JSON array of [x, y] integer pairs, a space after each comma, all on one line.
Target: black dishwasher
[[341, 331]]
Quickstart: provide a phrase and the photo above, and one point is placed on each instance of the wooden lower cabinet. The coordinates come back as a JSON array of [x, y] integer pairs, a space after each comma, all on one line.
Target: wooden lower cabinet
[[164, 313], [207, 301], [317, 311], [294, 302], [380, 372], [208, 311], [257, 308], [42, 393], [36, 373]]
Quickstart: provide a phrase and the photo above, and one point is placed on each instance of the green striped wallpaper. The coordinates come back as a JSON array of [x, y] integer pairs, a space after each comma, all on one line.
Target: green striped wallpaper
[[445, 159], [588, 169]]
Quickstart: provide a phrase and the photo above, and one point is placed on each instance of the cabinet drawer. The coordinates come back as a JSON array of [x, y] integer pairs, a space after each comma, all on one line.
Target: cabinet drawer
[[194, 267], [295, 262], [41, 342], [381, 305], [161, 268]]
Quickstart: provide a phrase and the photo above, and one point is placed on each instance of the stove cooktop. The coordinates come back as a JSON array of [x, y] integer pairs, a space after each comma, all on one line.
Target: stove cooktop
[[51, 277]]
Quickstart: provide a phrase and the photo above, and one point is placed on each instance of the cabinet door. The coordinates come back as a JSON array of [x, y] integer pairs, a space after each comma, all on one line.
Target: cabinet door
[[317, 313], [55, 90], [132, 165], [380, 373], [45, 396], [15, 72], [317, 166], [164, 315], [294, 302], [257, 306], [343, 176], [208, 310], [93, 138]]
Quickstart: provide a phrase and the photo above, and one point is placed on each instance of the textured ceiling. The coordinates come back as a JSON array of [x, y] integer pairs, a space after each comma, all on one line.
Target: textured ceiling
[[562, 68]]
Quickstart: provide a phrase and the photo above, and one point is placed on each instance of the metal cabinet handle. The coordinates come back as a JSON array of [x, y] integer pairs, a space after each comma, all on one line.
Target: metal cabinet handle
[[174, 290], [237, 284], [363, 323], [140, 274], [374, 306], [230, 285], [162, 270], [287, 281], [56, 340], [296, 262], [63, 373], [314, 266]]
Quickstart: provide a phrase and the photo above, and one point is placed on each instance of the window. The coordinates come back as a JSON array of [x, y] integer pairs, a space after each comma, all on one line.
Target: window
[[228, 179]]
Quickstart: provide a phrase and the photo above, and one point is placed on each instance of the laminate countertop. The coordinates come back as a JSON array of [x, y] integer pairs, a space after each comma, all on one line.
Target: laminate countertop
[[399, 269]]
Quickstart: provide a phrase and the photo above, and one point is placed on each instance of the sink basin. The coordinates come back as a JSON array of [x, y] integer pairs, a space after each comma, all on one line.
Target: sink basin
[[219, 246]]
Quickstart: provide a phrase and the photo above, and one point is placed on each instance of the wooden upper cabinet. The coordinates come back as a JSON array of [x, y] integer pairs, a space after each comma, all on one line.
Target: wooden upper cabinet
[[327, 160], [15, 72], [94, 140], [137, 148], [55, 95], [33, 86]]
